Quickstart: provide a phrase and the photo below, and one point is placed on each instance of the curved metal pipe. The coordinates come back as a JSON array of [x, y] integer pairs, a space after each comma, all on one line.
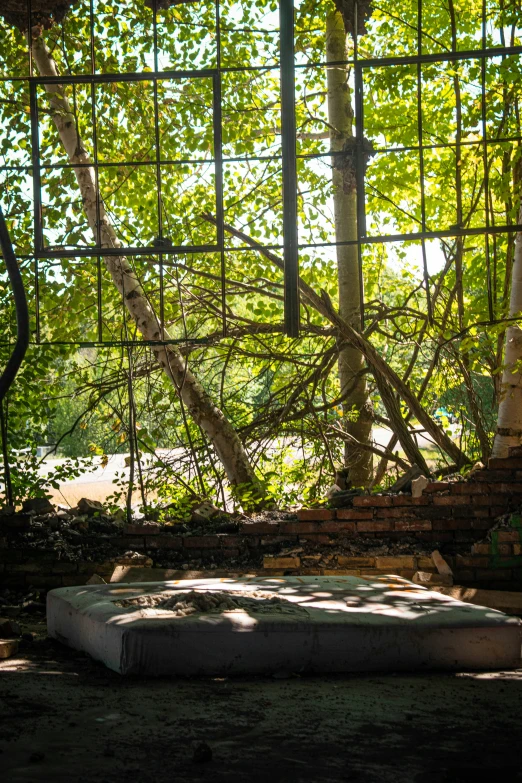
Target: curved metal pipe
[[22, 341], [22, 312]]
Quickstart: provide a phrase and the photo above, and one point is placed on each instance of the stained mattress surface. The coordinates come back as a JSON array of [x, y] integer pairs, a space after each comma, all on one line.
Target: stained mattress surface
[[280, 624]]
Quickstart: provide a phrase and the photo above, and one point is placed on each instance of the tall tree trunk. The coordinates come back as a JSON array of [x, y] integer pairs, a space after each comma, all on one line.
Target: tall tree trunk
[[205, 413], [356, 404], [509, 421]]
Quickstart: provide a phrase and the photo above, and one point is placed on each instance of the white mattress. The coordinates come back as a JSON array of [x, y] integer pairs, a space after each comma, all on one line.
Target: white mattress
[[325, 624]]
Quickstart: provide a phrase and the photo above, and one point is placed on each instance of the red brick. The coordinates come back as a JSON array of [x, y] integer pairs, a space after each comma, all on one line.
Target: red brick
[[129, 542], [464, 575], [482, 524], [413, 524], [437, 486], [439, 512], [317, 538], [232, 540], [510, 487], [260, 529], [397, 561], [511, 536], [471, 561], [489, 500], [338, 527], [408, 500], [315, 514], [141, 530], [375, 526], [281, 562], [451, 500], [495, 475], [374, 501], [438, 536], [467, 511], [494, 573], [230, 552], [481, 549], [469, 488], [506, 463], [349, 561], [354, 513], [504, 549], [300, 527], [163, 542], [201, 542], [394, 513], [451, 524]]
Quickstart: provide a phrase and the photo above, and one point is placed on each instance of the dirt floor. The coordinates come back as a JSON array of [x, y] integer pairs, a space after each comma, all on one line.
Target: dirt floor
[[64, 717]]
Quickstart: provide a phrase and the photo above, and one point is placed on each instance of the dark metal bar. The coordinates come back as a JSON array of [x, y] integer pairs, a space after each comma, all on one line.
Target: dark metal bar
[[22, 313], [108, 78], [485, 161], [22, 341], [217, 119], [288, 133], [99, 297], [88, 251], [239, 159], [359, 162], [37, 197], [159, 201], [469, 54], [120, 343], [494, 51], [421, 160]]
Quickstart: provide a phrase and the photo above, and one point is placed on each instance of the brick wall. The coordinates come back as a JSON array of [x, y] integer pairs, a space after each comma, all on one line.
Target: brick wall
[[459, 518]]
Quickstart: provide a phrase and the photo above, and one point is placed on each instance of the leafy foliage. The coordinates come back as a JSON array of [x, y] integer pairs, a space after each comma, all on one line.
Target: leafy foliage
[[440, 328]]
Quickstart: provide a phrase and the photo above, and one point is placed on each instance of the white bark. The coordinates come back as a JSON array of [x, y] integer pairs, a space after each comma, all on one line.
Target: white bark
[[351, 361], [207, 415], [509, 421]]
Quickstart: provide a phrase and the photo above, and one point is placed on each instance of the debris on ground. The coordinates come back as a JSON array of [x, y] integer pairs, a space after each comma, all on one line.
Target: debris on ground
[[428, 579], [441, 565], [96, 579], [213, 602], [403, 483], [8, 647]]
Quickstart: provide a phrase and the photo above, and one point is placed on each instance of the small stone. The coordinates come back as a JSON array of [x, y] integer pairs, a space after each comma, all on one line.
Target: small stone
[[11, 611], [333, 490], [204, 511], [426, 578], [202, 753], [418, 486], [96, 579], [8, 628], [33, 607], [86, 506], [440, 564], [8, 647], [40, 505]]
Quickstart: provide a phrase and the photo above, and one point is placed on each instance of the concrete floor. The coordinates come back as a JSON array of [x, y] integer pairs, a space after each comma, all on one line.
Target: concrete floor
[[65, 718]]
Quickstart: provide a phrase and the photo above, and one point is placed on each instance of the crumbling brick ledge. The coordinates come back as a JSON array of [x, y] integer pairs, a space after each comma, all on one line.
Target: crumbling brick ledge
[[475, 523]]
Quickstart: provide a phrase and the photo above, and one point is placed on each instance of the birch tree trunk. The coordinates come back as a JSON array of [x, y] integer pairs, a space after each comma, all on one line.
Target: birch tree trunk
[[205, 413], [356, 405], [509, 421]]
